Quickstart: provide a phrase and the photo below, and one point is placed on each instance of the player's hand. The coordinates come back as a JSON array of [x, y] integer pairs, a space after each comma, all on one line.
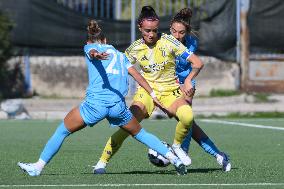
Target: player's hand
[[186, 96], [98, 55], [101, 56], [162, 107], [187, 89]]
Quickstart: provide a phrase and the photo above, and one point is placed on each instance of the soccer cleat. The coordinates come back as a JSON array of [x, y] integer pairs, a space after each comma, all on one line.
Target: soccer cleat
[[29, 168], [180, 168], [99, 171], [100, 168], [181, 154], [224, 161]]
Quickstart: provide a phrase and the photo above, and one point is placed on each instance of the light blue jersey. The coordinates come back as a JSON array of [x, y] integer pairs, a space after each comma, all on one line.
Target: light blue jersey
[[108, 79], [183, 68], [108, 85]]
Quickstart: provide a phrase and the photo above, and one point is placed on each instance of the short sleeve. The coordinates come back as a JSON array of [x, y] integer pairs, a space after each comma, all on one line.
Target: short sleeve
[[126, 61], [176, 46], [87, 49], [129, 53]]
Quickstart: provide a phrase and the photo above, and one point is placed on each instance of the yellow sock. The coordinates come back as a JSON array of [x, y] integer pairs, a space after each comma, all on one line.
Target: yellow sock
[[185, 116], [113, 144]]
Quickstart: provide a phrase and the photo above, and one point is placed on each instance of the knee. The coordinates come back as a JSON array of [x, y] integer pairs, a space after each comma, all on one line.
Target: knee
[[62, 130], [185, 115], [139, 111]]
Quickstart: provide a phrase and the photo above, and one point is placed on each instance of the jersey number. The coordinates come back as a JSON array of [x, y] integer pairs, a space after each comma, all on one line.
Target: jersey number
[[110, 68]]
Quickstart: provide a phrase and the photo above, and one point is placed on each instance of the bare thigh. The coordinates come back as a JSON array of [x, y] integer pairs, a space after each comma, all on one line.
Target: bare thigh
[[73, 120], [177, 103]]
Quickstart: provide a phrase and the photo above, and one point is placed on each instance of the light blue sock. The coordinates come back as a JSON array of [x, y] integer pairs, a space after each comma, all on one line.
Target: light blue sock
[[152, 142], [186, 141], [209, 147], [54, 143]]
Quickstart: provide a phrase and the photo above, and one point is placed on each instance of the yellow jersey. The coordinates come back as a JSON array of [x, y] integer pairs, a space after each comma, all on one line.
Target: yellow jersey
[[157, 62]]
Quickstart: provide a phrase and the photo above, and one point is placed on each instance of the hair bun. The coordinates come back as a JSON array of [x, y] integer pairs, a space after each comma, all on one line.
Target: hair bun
[[147, 12], [147, 9], [94, 28], [186, 12]]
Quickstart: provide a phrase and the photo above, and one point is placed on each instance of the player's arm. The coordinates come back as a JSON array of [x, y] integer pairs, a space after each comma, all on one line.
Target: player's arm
[[180, 50], [143, 83], [196, 65], [94, 54]]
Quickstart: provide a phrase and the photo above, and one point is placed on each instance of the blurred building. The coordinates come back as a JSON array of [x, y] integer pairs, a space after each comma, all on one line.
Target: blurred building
[[53, 32]]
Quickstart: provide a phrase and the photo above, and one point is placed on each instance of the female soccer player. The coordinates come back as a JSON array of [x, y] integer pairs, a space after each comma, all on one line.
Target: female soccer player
[[155, 53], [108, 84], [180, 29]]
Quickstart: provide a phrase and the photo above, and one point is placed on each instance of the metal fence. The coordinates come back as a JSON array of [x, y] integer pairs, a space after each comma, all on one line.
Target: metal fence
[[121, 9]]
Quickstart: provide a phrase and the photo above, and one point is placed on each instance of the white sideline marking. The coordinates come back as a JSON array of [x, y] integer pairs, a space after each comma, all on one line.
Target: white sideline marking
[[125, 185], [241, 124]]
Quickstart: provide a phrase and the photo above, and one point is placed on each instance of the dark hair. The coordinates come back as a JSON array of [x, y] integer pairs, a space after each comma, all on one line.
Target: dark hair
[[147, 13], [183, 16], [94, 31]]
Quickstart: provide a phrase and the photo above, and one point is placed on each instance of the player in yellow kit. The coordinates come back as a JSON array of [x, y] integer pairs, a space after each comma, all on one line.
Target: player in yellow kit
[[155, 54]]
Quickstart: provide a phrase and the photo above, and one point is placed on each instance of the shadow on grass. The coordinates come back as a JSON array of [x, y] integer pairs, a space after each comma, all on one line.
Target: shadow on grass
[[164, 172], [207, 170]]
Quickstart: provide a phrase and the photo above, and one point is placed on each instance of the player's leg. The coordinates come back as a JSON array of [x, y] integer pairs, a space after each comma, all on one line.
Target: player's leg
[[142, 104], [151, 141], [115, 141], [72, 123], [186, 142], [112, 146], [179, 107], [208, 146]]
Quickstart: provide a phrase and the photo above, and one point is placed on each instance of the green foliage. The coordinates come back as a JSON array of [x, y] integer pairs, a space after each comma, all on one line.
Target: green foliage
[[161, 7], [11, 79], [261, 97], [222, 92], [5, 45], [5, 50]]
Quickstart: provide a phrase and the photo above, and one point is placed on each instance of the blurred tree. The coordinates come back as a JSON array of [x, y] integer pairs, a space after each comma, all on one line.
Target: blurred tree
[[11, 79]]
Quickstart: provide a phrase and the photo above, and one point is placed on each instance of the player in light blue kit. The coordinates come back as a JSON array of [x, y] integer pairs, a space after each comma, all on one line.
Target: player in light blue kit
[[180, 29], [108, 85]]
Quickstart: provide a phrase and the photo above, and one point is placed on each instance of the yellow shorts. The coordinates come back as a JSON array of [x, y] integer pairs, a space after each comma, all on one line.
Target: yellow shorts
[[166, 98]]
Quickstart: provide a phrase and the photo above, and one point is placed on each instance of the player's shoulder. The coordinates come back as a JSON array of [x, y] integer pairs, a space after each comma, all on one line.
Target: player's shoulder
[[170, 39], [90, 46], [190, 38], [135, 45]]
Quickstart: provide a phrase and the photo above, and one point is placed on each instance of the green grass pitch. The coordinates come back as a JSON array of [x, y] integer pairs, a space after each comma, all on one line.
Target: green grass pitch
[[257, 157]]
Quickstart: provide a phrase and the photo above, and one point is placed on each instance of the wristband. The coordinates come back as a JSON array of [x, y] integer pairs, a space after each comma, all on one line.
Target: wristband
[[153, 95]]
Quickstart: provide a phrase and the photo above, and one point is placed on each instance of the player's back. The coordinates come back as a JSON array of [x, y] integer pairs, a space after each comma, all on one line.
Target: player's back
[[108, 79]]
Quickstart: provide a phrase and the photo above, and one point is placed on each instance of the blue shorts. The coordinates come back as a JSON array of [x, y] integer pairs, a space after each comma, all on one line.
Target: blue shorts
[[117, 115]]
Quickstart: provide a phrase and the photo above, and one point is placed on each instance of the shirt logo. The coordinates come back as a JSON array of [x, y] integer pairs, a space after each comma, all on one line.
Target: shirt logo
[[163, 51], [144, 58]]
